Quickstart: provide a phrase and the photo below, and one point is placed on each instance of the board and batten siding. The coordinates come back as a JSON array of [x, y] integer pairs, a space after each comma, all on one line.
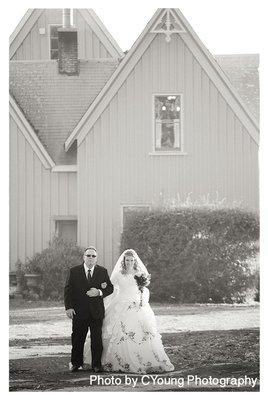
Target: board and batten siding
[[37, 195], [89, 45], [36, 46], [114, 162]]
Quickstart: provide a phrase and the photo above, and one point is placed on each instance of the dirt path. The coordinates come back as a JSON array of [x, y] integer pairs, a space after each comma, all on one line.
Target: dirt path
[[220, 341], [52, 323]]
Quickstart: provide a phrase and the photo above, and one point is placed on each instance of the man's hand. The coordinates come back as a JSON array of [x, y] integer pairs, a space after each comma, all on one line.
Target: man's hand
[[70, 313], [93, 292]]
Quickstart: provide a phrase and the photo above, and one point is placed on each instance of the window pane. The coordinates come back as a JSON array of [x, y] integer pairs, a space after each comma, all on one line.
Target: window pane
[[168, 122], [67, 230], [54, 31], [54, 54], [54, 44], [167, 107], [167, 135]]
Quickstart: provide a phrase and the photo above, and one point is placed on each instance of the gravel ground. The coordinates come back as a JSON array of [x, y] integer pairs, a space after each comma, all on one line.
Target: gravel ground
[[50, 323]]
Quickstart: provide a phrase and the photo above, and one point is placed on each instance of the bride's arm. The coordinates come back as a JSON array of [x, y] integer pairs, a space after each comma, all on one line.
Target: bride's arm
[[146, 295]]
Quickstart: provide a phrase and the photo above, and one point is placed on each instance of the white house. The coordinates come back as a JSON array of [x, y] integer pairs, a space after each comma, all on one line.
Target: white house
[[95, 132]]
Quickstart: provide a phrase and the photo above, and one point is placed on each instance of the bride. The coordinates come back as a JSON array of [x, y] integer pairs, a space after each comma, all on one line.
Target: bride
[[131, 342]]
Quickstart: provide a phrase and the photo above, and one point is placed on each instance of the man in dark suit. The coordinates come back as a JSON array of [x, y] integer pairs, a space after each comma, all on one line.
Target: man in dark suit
[[86, 286]]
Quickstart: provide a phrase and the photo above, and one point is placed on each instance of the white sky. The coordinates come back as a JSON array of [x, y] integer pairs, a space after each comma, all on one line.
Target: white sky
[[225, 27]]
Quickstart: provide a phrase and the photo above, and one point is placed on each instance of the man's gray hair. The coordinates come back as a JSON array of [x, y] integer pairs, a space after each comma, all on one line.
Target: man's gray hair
[[91, 248]]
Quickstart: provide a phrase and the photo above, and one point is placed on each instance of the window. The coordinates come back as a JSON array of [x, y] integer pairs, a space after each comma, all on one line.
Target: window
[[66, 229], [167, 123], [54, 47]]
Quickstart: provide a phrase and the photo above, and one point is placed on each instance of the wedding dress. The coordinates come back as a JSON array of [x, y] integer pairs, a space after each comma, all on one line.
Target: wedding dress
[[131, 342]]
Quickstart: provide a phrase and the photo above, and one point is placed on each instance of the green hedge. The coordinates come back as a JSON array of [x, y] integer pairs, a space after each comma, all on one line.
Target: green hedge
[[52, 264], [195, 254]]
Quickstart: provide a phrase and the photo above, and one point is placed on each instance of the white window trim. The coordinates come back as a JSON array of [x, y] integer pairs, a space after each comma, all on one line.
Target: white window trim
[[130, 205], [49, 42], [58, 218], [65, 168], [64, 217], [171, 152], [168, 153]]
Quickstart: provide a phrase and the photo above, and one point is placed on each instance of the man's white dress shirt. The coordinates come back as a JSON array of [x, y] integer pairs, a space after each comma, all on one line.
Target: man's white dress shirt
[[90, 271]]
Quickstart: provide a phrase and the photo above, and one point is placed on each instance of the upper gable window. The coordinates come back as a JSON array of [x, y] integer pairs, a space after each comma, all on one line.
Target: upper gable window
[[168, 123], [54, 46]]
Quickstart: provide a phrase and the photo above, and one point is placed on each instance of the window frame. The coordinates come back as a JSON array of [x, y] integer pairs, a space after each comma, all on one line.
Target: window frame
[[59, 218], [49, 40], [168, 152]]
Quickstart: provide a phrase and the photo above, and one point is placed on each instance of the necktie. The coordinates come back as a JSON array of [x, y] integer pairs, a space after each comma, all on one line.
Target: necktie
[[88, 275]]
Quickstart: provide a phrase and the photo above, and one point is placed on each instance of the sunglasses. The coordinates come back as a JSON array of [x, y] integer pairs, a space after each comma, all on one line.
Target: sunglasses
[[91, 255]]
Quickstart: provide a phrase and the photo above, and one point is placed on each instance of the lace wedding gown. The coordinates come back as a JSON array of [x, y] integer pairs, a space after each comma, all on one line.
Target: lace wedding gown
[[131, 342]]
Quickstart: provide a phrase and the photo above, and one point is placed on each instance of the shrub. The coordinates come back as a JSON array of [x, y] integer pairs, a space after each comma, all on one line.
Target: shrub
[[195, 254], [52, 264], [21, 281], [257, 286]]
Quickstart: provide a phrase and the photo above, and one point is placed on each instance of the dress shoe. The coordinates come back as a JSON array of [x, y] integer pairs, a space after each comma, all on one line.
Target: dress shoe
[[86, 367], [97, 369], [73, 368]]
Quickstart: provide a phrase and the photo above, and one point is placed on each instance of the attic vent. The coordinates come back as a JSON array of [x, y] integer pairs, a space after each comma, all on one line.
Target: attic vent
[[168, 24]]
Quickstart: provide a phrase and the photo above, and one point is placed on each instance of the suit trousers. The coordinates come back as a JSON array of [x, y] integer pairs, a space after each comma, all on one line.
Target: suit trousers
[[79, 334]]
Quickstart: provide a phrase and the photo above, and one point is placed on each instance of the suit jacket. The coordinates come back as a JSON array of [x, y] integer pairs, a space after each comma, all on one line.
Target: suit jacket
[[76, 287]]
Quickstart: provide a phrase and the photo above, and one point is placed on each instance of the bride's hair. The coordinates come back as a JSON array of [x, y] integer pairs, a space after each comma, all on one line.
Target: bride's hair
[[128, 253]]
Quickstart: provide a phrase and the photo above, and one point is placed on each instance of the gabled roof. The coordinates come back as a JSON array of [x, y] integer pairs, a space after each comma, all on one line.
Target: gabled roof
[[32, 15], [200, 52], [53, 103], [22, 29], [29, 134], [242, 71]]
